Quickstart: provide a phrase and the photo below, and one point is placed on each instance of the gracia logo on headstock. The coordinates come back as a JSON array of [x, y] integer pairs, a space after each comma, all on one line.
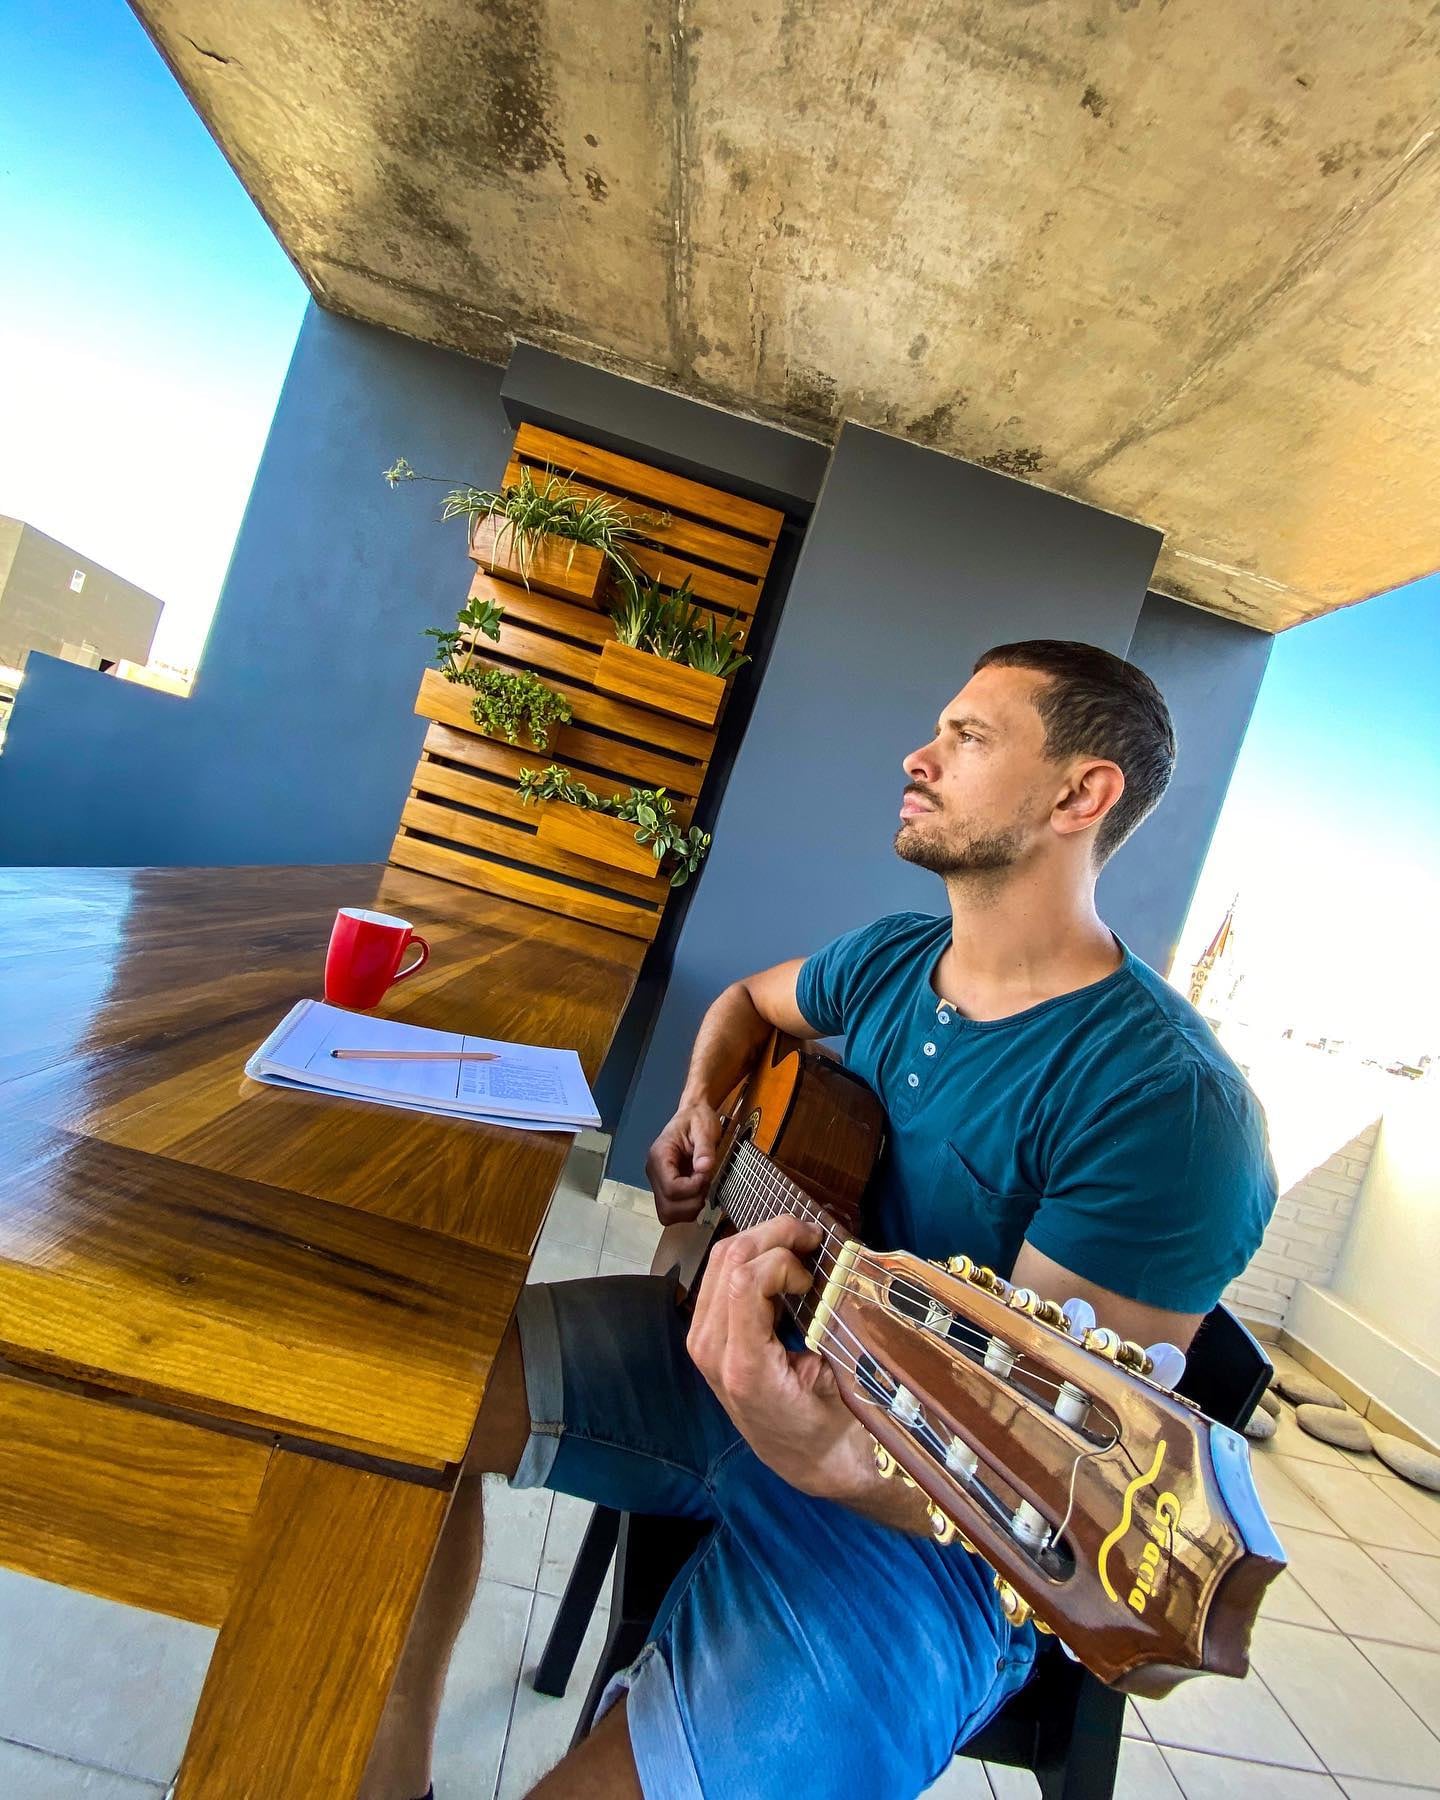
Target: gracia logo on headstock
[[1162, 1535]]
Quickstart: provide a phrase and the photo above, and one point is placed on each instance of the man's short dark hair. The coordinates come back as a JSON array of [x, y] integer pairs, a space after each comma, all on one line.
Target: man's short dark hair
[[1097, 704]]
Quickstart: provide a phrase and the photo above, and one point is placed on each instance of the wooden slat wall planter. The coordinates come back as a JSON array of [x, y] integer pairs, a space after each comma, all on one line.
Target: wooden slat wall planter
[[571, 571], [600, 836], [655, 681], [464, 820]]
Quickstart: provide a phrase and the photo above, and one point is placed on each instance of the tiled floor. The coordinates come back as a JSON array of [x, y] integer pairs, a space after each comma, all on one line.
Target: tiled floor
[[96, 1699]]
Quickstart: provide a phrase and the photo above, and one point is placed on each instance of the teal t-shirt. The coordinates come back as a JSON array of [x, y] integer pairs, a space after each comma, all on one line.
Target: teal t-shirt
[[1107, 1126]]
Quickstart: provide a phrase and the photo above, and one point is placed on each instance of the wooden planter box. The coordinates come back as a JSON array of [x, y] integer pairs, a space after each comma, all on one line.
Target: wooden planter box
[[550, 566], [596, 835], [654, 681]]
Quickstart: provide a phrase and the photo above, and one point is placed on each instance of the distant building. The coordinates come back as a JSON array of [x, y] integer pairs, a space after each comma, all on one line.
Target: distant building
[[54, 599]]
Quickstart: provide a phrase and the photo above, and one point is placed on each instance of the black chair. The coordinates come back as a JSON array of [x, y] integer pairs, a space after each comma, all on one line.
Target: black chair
[[1064, 1725]]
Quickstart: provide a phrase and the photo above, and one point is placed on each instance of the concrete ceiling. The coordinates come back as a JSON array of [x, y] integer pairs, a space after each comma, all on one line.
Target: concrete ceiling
[[1178, 258]]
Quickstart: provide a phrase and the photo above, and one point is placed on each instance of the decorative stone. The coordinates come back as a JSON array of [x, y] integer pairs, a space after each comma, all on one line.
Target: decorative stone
[[1270, 1400], [1260, 1425], [1306, 1389], [1409, 1460], [1334, 1425]]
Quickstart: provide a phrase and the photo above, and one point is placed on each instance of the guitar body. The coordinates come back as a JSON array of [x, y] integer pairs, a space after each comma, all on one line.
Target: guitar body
[[811, 1117]]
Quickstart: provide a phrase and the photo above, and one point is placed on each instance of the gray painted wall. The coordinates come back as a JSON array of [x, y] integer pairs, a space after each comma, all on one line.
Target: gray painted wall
[[913, 564], [298, 739], [1209, 670], [40, 611]]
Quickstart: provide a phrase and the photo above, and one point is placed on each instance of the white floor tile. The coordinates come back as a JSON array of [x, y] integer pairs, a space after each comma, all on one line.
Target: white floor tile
[[1234, 1718], [575, 1218], [1143, 1774], [630, 1237], [618, 1265], [1134, 1725], [557, 1261], [1414, 1674], [1288, 1602], [98, 1682], [515, 1522], [479, 1692], [1286, 1502], [569, 1521], [1356, 1592], [1381, 1790], [964, 1779], [32, 1775], [1420, 1503], [1362, 1507], [1204, 1777], [540, 1725], [1007, 1783], [1418, 1575], [1347, 1710]]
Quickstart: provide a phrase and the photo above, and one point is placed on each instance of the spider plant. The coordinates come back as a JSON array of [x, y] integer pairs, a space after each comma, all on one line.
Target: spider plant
[[675, 624], [528, 512], [714, 649], [634, 617]]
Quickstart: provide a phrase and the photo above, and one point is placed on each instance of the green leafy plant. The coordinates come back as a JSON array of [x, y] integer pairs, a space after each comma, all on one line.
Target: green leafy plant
[[675, 624], [716, 649], [506, 701], [647, 809], [529, 512], [555, 783], [455, 650], [634, 617]]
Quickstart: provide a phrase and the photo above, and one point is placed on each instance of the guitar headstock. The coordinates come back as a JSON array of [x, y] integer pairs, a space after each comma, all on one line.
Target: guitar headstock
[[1111, 1509]]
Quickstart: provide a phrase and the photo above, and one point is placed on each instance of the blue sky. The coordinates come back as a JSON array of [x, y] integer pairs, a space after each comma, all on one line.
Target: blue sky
[[146, 321]]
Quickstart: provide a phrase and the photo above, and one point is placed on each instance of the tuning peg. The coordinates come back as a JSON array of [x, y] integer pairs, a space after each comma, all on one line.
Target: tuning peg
[[1015, 1608], [1079, 1316], [885, 1464], [1133, 1356], [1167, 1364], [959, 1265], [1024, 1300], [1102, 1341], [942, 1525], [1050, 1312]]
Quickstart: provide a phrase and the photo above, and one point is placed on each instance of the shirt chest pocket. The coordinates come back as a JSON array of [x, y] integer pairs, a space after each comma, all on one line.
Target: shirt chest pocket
[[964, 1215]]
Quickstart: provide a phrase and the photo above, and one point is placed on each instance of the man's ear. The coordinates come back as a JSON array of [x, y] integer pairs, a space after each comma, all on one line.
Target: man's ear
[[1093, 789]]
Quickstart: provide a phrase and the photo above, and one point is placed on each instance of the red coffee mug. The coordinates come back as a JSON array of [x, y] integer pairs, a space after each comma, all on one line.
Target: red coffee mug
[[364, 956]]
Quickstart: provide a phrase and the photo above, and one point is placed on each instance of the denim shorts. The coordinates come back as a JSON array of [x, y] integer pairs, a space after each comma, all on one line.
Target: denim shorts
[[803, 1652]]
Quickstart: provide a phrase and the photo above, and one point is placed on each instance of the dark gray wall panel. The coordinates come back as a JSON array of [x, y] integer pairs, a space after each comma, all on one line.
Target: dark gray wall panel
[[1209, 670], [913, 564]]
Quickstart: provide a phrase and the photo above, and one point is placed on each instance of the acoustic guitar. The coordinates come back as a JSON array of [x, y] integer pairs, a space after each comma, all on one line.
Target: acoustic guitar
[[1112, 1511]]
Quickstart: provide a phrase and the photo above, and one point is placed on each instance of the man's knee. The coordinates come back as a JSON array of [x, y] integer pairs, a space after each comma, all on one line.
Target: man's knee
[[503, 1427]]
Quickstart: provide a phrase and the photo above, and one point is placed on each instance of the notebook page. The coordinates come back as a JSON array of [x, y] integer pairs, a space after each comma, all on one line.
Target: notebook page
[[527, 1082]]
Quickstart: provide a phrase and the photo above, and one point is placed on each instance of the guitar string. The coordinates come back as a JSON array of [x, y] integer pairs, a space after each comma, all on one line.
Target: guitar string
[[754, 1204], [761, 1166]]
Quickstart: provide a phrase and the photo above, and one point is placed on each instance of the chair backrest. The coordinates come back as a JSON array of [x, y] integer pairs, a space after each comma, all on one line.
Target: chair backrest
[[1227, 1370]]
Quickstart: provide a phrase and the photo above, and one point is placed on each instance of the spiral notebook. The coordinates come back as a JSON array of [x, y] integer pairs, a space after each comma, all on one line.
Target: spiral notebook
[[529, 1086]]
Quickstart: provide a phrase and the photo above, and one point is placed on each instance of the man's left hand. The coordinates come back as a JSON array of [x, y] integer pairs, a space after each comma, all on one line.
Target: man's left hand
[[785, 1404]]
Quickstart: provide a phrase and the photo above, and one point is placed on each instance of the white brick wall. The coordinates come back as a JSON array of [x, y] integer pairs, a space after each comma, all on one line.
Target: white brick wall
[[1304, 1237]]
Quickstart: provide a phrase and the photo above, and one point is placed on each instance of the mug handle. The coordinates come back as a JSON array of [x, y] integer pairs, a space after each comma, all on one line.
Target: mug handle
[[420, 961]]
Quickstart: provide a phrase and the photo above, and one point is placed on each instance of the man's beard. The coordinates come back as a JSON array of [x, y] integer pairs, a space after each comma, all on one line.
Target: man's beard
[[958, 852]]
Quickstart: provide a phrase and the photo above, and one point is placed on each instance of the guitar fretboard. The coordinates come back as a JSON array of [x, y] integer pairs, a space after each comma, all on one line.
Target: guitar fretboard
[[753, 1188]]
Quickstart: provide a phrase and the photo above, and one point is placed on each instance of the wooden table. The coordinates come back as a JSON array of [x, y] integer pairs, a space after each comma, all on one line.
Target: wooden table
[[245, 1331]]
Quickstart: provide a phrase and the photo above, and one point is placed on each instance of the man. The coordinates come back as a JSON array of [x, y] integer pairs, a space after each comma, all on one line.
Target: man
[[1056, 1110]]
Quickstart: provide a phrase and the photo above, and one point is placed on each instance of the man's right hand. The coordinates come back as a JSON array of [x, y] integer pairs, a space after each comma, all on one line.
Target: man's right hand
[[681, 1163]]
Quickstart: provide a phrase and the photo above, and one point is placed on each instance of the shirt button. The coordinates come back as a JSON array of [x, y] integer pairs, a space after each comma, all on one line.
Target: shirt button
[[914, 1080], [929, 1049], [944, 1018]]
